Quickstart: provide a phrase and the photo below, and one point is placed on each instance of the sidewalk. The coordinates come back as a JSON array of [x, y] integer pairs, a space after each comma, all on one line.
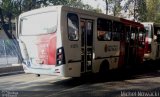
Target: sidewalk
[[12, 69]]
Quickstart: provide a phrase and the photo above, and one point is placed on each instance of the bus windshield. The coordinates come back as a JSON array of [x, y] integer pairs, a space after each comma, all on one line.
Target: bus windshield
[[37, 24]]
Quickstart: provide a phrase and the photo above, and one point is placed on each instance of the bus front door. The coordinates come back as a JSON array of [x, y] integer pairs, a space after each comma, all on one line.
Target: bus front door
[[86, 45], [131, 46]]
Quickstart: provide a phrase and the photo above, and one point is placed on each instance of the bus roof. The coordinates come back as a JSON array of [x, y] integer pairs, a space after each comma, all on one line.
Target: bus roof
[[70, 9], [80, 11], [152, 23], [133, 23], [40, 10], [90, 13]]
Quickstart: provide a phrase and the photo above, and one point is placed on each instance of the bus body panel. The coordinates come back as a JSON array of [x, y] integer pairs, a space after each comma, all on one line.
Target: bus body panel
[[57, 54], [39, 51], [148, 41], [72, 51], [108, 51], [31, 63], [151, 42]]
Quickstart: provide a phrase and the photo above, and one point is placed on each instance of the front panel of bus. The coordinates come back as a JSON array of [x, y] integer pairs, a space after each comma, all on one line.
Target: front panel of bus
[[70, 44], [148, 40], [37, 39]]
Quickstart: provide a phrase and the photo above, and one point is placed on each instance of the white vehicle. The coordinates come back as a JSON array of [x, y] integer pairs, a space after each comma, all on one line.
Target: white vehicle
[[152, 41], [70, 42]]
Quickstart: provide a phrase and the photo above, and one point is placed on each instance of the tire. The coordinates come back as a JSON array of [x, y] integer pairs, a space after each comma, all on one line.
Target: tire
[[104, 68]]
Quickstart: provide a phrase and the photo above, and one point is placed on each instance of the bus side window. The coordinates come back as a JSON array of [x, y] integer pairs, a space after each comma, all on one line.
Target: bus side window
[[73, 26], [141, 38], [117, 30], [104, 29], [134, 35], [158, 35], [155, 34]]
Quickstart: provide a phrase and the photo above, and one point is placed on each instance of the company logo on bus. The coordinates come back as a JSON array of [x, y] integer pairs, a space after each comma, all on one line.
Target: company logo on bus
[[109, 48]]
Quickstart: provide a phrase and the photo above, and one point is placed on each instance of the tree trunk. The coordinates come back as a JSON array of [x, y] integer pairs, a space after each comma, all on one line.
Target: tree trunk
[[4, 26], [107, 7], [114, 9], [10, 23], [10, 36]]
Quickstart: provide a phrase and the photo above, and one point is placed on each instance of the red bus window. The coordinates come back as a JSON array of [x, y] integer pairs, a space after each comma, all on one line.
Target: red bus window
[[117, 30]]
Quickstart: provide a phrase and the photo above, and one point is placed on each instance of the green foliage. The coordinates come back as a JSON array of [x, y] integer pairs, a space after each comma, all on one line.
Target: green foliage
[[73, 3], [12, 8], [97, 10], [114, 6], [18, 6], [158, 17], [141, 10], [7, 6], [117, 7], [153, 7], [144, 10], [60, 2]]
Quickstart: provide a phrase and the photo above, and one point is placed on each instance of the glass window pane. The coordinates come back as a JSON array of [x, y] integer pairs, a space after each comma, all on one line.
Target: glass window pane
[[117, 29], [73, 26], [104, 29], [41, 23]]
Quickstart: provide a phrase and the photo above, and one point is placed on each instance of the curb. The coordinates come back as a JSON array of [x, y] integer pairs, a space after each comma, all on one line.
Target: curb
[[11, 73], [11, 70]]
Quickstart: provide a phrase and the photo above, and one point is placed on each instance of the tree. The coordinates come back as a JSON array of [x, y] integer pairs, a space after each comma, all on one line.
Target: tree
[[97, 10], [10, 36], [3, 25], [153, 7], [6, 13], [72, 3], [106, 1], [137, 9], [142, 10], [114, 6]]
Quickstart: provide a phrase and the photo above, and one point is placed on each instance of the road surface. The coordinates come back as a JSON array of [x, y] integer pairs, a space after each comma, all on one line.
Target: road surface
[[126, 84]]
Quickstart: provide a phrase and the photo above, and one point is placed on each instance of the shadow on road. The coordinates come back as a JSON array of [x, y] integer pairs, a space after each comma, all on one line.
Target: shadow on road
[[147, 70], [127, 80], [111, 85]]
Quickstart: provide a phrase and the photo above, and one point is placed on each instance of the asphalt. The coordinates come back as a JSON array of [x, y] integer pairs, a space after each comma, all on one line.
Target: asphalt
[[11, 69]]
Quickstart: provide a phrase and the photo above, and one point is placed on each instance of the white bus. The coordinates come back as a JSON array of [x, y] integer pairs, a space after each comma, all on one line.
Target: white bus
[[70, 42], [152, 41]]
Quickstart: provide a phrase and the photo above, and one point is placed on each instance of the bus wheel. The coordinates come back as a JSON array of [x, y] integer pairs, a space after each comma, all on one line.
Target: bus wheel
[[104, 68]]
